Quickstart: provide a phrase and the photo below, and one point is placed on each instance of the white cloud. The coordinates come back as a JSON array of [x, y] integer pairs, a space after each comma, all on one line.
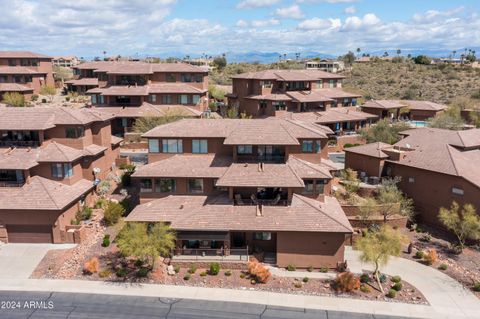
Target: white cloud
[[328, 1], [251, 4], [317, 23], [241, 23], [265, 23], [356, 23], [433, 15], [292, 12], [350, 10]]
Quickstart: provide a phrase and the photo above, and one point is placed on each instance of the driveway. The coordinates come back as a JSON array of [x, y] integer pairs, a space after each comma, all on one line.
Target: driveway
[[17, 261]]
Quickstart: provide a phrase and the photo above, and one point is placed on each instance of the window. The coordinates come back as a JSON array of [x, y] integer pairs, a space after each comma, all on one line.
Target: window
[[262, 236], [279, 106], [183, 99], [12, 62], [200, 146], [195, 99], [166, 99], [60, 170], [152, 98], [263, 104], [320, 186], [266, 84], [74, 132], [346, 102], [308, 186], [172, 146], [153, 146], [146, 185], [218, 188], [319, 84], [307, 146], [122, 99], [457, 191], [318, 146], [186, 77], [94, 99], [411, 179], [332, 84], [101, 99], [244, 149], [334, 103], [170, 77], [198, 78], [354, 102], [165, 185], [195, 186]]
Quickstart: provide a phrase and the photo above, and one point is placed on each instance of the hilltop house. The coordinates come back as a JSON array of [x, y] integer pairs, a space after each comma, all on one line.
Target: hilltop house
[[50, 161], [436, 167], [24, 72], [407, 109], [231, 188]]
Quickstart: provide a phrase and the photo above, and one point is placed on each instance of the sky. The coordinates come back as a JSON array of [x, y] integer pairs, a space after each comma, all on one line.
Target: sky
[[163, 27]]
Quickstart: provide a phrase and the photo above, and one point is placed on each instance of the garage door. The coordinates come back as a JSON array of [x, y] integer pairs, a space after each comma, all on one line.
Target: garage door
[[29, 233]]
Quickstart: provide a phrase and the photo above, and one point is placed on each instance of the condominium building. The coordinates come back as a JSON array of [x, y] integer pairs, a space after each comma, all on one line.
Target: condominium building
[[414, 110], [233, 188], [51, 159]]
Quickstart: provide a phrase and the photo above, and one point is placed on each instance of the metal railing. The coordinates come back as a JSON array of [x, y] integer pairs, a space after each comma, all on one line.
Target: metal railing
[[205, 254], [261, 158], [11, 184], [20, 143]]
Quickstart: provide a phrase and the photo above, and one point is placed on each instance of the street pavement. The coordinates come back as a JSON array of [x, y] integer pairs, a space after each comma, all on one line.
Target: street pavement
[[48, 305]]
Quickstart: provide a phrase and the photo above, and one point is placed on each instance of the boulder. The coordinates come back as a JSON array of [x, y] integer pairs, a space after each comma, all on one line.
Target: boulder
[[170, 270]]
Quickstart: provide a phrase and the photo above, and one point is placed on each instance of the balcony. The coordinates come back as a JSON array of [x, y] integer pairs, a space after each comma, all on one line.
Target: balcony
[[266, 158], [211, 254], [261, 199], [20, 143]]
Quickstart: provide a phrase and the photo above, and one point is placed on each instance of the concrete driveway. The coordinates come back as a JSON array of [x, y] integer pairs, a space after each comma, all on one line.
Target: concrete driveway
[[17, 261]]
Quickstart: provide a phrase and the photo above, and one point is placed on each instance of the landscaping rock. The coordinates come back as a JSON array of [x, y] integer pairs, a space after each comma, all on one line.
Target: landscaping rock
[[170, 270]]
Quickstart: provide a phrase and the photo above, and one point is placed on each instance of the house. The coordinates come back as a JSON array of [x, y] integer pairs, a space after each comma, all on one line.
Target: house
[[50, 161], [436, 167], [65, 61], [332, 66], [141, 89], [414, 110], [232, 188], [24, 72]]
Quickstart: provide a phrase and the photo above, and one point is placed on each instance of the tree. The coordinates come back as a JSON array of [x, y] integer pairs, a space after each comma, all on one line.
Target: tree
[[384, 132], [216, 93], [112, 213], [451, 118], [146, 242], [145, 124], [358, 51], [49, 91], [378, 246], [348, 58], [465, 224], [392, 201], [399, 52], [14, 99], [220, 62], [351, 183], [367, 210], [422, 59]]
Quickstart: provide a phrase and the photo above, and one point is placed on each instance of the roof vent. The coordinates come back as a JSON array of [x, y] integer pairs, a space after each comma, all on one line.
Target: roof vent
[[259, 210]]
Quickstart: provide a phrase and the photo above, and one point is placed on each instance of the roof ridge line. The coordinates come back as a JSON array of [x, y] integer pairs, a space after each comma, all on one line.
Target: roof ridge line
[[306, 163], [40, 179], [449, 147], [301, 124], [295, 173], [288, 132]]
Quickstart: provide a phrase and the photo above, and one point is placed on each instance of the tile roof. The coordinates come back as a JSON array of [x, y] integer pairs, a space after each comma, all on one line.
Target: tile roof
[[93, 150], [308, 96], [14, 87], [424, 105], [270, 97], [372, 149], [22, 54], [306, 170], [83, 81], [147, 109], [205, 165], [288, 75], [219, 213], [18, 70], [115, 140], [243, 131], [332, 115], [55, 152], [130, 90], [174, 88], [42, 194], [252, 175], [18, 158], [384, 104], [133, 67]]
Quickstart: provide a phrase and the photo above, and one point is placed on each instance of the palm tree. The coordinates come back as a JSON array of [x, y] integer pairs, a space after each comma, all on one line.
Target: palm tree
[[399, 52], [454, 52], [358, 51]]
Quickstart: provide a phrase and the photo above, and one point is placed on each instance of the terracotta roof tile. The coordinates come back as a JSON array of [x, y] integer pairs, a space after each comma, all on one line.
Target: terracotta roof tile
[[18, 70], [55, 152], [147, 109], [18, 158], [22, 54], [333, 115], [288, 75], [372, 149], [83, 81], [385, 104], [14, 87], [174, 88]]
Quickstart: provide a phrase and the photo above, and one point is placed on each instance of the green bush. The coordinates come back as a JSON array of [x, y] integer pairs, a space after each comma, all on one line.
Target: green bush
[[101, 203], [84, 214], [426, 238], [214, 269], [310, 268], [203, 274], [186, 277], [397, 286], [382, 278], [126, 179], [106, 240], [391, 293], [34, 97], [364, 288], [298, 285], [104, 273], [192, 269], [122, 272], [419, 254], [143, 272], [476, 286], [228, 273], [305, 279], [396, 279], [242, 275], [113, 213], [138, 263], [291, 267], [324, 269], [443, 266], [364, 278], [176, 269]]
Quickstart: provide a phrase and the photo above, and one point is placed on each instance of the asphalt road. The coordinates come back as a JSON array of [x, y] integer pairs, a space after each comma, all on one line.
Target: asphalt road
[[34, 305]]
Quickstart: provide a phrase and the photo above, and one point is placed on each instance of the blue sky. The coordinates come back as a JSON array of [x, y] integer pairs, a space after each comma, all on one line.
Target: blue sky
[[87, 28]]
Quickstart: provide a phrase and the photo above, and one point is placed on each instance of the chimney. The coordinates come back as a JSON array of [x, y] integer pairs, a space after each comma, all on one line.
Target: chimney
[[259, 210]]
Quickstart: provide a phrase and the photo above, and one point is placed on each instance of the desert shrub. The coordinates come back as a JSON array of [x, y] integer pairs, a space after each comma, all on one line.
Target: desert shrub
[[143, 272], [176, 269], [419, 254], [382, 278], [138, 263], [242, 275], [192, 269], [113, 213], [396, 279], [443, 266], [397, 286], [214, 269], [122, 272], [310, 268], [364, 288], [228, 273], [106, 240], [426, 238], [14, 99], [364, 278], [34, 97], [291, 267], [346, 282], [430, 257], [203, 274], [391, 293], [186, 277], [84, 214], [105, 273], [476, 286], [305, 279], [91, 266], [101, 203], [324, 269], [104, 187], [298, 285], [259, 271]]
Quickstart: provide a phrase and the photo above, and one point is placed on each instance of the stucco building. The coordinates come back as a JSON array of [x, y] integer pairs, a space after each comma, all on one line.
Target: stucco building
[[24, 72], [238, 187], [414, 110], [50, 161], [436, 167]]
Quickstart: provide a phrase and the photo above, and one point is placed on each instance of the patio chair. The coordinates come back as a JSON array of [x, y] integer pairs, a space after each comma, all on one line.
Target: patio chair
[[239, 200]]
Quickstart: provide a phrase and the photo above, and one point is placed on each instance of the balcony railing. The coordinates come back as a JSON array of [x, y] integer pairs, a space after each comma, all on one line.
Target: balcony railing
[[207, 254], [20, 143], [263, 158], [11, 184]]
